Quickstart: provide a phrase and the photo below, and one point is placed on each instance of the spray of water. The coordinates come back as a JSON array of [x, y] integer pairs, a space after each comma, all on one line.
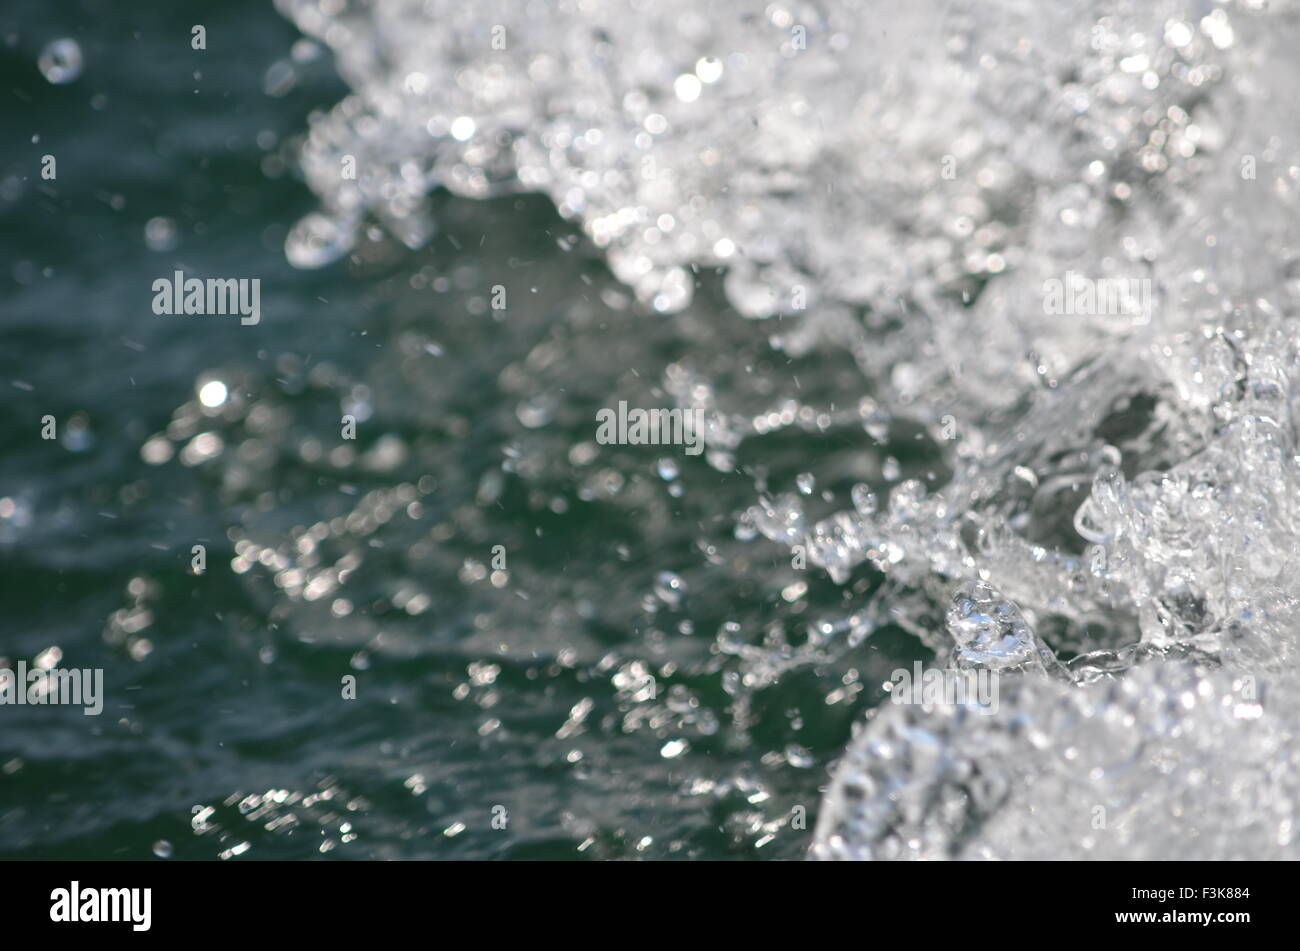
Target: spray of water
[[922, 184]]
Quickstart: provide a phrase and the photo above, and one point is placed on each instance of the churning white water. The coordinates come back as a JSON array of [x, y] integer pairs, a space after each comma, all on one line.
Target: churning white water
[[945, 189]]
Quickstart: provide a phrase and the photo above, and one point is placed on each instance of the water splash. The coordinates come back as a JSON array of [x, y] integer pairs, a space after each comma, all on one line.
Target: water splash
[[1116, 517]]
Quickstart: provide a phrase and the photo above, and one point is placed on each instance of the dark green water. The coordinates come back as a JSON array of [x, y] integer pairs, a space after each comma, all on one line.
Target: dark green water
[[224, 731]]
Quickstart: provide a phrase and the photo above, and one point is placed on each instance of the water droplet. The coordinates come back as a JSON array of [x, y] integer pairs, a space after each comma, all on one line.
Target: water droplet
[[687, 87], [213, 394], [799, 757], [60, 62], [463, 128], [669, 588], [864, 500], [709, 69], [318, 240], [160, 234], [673, 749], [280, 78]]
